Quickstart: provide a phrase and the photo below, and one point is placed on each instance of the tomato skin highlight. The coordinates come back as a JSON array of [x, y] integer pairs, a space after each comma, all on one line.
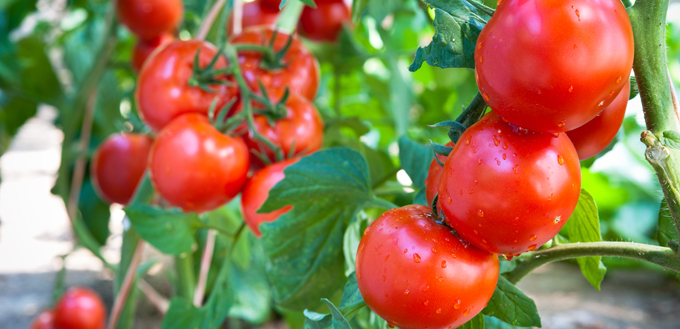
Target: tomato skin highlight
[[254, 14], [509, 192], [144, 48], [256, 192], [415, 273], [594, 136], [324, 22], [163, 92], [195, 167], [150, 18], [300, 76], [118, 166], [79, 308], [434, 174], [44, 320], [551, 66]]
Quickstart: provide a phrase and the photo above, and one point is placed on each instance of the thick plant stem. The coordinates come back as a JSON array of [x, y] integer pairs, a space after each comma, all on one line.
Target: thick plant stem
[[648, 19], [186, 278], [661, 256]]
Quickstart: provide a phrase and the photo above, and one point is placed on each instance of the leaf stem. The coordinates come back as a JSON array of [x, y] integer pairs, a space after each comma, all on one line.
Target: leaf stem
[[185, 273], [130, 275], [661, 256], [205, 267]]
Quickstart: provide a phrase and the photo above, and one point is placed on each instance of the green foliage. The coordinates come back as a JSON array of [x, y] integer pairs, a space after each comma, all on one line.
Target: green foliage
[[584, 226], [475, 323], [415, 158], [170, 231], [351, 304], [511, 305], [667, 229], [95, 213]]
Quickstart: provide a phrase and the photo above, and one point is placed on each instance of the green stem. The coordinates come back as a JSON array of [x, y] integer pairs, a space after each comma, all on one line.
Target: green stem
[[290, 15], [661, 256], [184, 264]]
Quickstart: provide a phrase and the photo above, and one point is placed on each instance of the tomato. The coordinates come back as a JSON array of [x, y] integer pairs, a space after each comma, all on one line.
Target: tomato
[[163, 91], [301, 75], [271, 5], [300, 132], [506, 190], [79, 308], [195, 167], [414, 273], [150, 18], [594, 136], [144, 48], [256, 192], [551, 66], [433, 176], [324, 22], [44, 320], [254, 14], [118, 165]]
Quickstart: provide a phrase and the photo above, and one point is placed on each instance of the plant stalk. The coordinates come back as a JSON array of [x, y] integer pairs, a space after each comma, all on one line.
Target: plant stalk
[[184, 265], [205, 267], [130, 276]]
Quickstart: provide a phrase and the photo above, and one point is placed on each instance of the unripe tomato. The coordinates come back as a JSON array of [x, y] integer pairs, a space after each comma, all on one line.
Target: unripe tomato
[[79, 308], [144, 48], [551, 66], [414, 273], [150, 18], [44, 320], [195, 167], [256, 192], [433, 176], [163, 91], [301, 74], [594, 136], [324, 22], [506, 190], [254, 14], [118, 165]]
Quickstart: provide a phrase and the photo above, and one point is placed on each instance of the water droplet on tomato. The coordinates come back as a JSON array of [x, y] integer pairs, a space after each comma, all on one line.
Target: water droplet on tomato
[[405, 250], [475, 231], [426, 302], [578, 15], [481, 59], [509, 257], [406, 292], [467, 312], [434, 249], [479, 45], [533, 238], [561, 124], [467, 141], [560, 159], [439, 311], [448, 200], [485, 96], [440, 278], [618, 79], [426, 288], [479, 160], [532, 247], [416, 258], [496, 141], [480, 213], [504, 157], [443, 264], [557, 219], [457, 304]]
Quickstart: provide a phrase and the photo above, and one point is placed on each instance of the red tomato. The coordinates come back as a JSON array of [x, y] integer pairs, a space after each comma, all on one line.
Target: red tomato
[[44, 320], [301, 75], [509, 191], [163, 91], [594, 136], [551, 66], [150, 18], [254, 14], [256, 192], [118, 165], [79, 308], [433, 176], [144, 48], [324, 22], [271, 5], [300, 132], [195, 167], [415, 273]]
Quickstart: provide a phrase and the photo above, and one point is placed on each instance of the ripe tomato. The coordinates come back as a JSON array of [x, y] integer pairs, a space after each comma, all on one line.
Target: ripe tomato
[[44, 320], [150, 18], [415, 273], [324, 22], [163, 91], [256, 192], [195, 167], [551, 66], [433, 176], [118, 165], [299, 132], [594, 136], [79, 308], [301, 75], [144, 48], [254, 14], [271, 5], [509, 191]]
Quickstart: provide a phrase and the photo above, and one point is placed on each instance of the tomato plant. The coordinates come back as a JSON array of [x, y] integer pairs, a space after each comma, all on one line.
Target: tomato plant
[[119, 164], [150, 18], [573, 77], [324, 22], [79, 308], [144, 48], [44, 320]]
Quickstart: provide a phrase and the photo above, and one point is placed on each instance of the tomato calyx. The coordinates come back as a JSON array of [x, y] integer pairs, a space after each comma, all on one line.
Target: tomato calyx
[[204, 77], [271, 60]]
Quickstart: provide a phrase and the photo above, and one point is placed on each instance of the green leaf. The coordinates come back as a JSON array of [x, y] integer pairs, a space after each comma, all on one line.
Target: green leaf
[[491, 322], [351, 241], [304, 246], [14, 112], [351, 304], [420, 198], [253, 299], [671, 138], [38, 79], [634, 90], [401, 95], [667, 230], [169, 231], [584, 226], [457, 25], [511, 305], [415, 158], [95, 212], [358, 7], [475, 323]]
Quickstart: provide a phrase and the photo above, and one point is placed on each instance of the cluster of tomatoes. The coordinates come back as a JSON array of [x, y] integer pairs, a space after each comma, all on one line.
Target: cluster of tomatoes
[[556, 75], [78, 308]]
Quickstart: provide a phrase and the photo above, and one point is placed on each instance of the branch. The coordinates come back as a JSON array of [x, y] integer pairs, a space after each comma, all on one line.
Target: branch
[[209, 20], [205, 267], [161, 303], [130, 276], [661, 256]]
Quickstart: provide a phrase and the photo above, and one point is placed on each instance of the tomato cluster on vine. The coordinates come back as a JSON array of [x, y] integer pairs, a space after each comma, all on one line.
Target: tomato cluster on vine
[[556, 76]]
